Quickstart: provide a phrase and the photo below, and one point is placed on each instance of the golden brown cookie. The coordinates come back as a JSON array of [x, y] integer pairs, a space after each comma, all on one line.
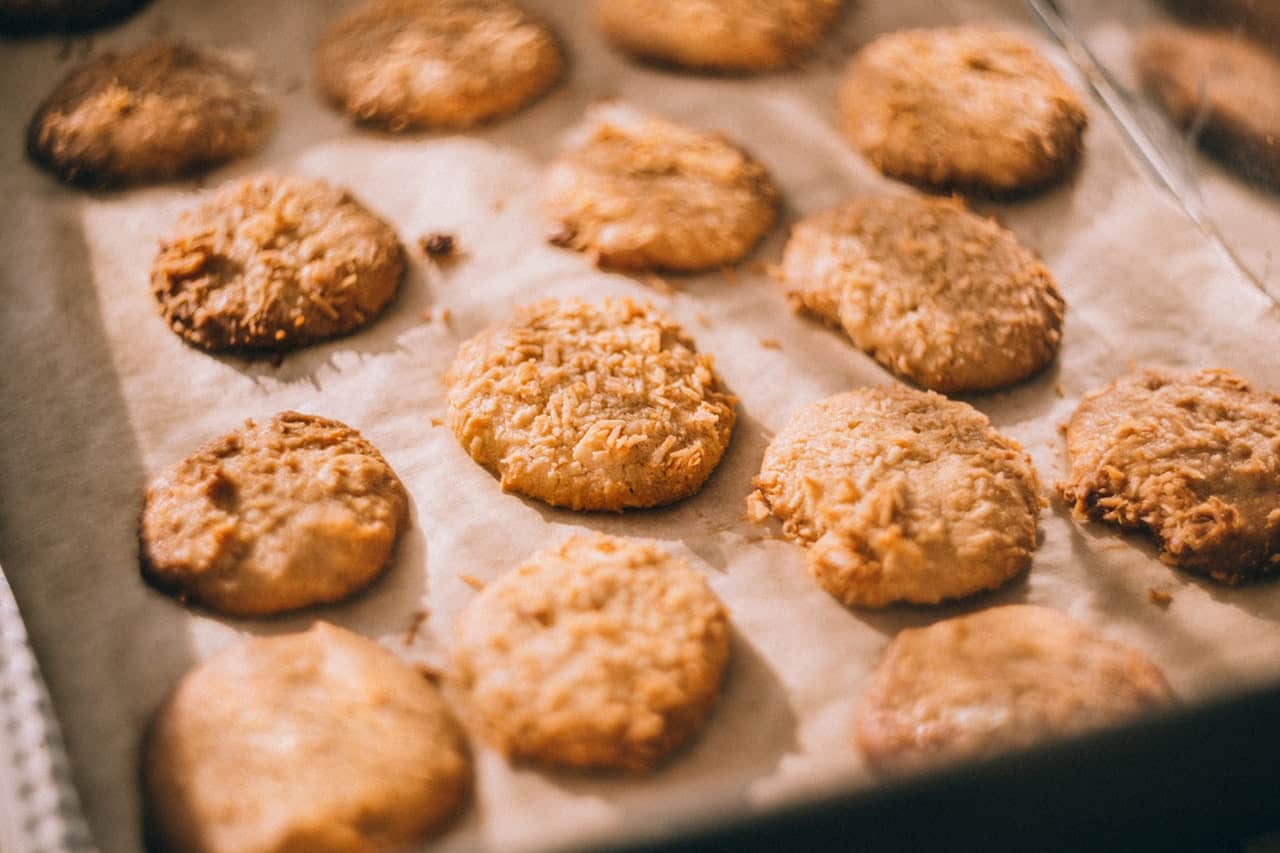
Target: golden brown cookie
[[719, 35], [936, 294], [321, 740], [402, 64], [272, 263], [640, 192], [296, 511], [997, 680], [970, 108], [603, 406], [23, 17], [162, 111], [1223, 86], [1191, 457], [601, 653], [900, 495]]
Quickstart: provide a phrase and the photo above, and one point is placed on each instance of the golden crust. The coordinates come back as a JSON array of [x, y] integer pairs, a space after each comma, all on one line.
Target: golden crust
[[970, 108], [162, 111], [900, 495], [1221, 84], [403, 64], [300, 510], [1191, 457], [601, 653], [590, 406], [640, 192], [719, 35], [997, 680], [275, 263], [321, 740], [936, 294]]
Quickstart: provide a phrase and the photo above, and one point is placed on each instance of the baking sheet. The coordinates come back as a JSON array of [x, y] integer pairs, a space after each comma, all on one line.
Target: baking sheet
[[99, 395]]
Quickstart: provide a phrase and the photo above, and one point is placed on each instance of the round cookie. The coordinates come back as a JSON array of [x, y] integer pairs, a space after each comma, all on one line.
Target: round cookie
[[23, 17], [970, 108], [936, 294], [1191, 457], [271, 263], [997, 680], [602, 406], [900, 495], [321, 740], [717, 35], [640, 192], [402, 64], [601, 653], [299, 510], [159, 112], [1224, 87]]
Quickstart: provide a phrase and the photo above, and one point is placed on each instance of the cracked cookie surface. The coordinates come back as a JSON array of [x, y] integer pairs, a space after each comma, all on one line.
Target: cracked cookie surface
[[275, 263], [600, 653], [1192, 457], [295, 511], [602, 406], [900, 495]]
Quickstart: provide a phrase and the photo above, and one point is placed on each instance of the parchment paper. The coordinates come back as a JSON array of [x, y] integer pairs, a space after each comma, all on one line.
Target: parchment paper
[[98, 394]]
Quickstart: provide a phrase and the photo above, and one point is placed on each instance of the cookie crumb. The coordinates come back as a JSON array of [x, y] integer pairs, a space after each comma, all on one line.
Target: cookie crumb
[[428, 314], [1059, 390], [411, 633], [435, 422], [429, 672], [438, 245], [497, 205], [771, 343], [471, 581], [446, 316], [702, 320], [659, 284], [1159, 597]]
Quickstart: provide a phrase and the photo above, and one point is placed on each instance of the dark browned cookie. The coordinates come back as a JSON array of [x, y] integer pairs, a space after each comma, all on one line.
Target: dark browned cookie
[[272, 517], [272, 263], [1224, 87], [156, 113], [404, 64], [970, 108], [718, 35], [1192, 457], [33, 17], [1000, 679]]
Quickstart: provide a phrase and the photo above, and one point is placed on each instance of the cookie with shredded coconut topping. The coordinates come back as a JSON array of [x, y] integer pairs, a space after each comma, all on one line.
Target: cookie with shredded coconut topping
[[275, 263], [1193, 457], [601, 653], [971, 108], [320, 741], [272, 517], [900, 495], [406, 64], [996, 680], [719, 35], [590, 406], [162, 111], [939, 295], [640, 192]]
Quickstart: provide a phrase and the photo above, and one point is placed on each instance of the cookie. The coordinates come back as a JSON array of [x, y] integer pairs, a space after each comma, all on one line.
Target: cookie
[[900, 495], [272, 263], [601, 653], [1191, 457], [1221, 86], [163, 111], [970, 108], [407, 64], [998, 680], [276, 516], [936, 294], [32, 17], [640, 192], [717, 35], [320, 740], [604, 406]]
